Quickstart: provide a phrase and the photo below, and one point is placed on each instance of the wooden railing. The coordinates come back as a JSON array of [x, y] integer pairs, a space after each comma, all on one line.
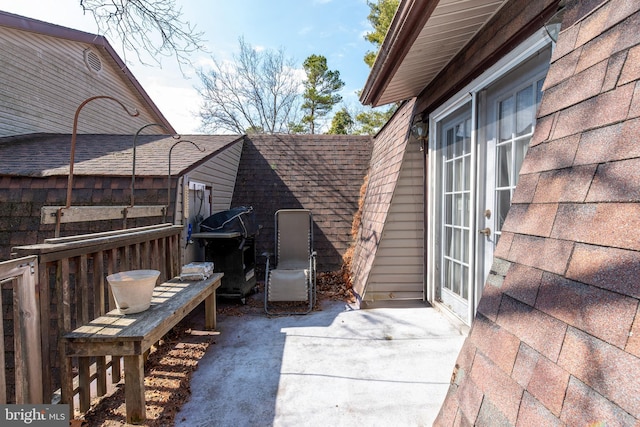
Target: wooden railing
[[73, 290], [19, 276]]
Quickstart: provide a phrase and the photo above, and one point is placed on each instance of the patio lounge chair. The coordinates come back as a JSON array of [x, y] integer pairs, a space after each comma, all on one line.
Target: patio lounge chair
[[294, 275]]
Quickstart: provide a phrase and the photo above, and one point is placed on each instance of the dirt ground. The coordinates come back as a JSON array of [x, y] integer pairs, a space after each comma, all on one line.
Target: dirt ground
[[170, 365]]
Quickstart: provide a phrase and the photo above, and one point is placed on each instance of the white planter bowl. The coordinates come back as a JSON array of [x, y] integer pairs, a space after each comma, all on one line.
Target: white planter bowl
[[132, 290]]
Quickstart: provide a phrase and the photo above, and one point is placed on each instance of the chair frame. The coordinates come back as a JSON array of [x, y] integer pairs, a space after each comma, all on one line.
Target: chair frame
[[312, 266]]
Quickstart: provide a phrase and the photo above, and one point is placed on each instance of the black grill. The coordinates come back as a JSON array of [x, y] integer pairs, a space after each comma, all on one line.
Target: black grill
[[229, 240]]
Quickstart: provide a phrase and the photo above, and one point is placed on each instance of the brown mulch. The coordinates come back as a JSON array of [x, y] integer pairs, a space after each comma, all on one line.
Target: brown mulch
[[170, 365]]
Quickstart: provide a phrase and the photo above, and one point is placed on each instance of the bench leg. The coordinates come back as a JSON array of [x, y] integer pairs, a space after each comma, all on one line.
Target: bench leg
[[210, 311], [66, 388], [84, 379], [134, 389]]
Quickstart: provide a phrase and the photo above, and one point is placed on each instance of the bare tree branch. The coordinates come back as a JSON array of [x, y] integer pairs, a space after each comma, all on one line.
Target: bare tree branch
[[152, 26], [256, 92]]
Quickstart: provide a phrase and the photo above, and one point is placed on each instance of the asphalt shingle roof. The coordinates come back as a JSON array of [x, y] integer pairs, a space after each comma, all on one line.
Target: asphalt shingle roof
[[322, 173], [44, 155]]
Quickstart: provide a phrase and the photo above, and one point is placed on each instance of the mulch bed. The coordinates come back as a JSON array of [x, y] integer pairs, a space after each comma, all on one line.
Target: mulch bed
[[170, 365]]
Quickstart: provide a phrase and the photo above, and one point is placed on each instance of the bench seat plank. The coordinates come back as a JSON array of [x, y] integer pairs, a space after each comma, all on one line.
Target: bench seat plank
[[169, 305]]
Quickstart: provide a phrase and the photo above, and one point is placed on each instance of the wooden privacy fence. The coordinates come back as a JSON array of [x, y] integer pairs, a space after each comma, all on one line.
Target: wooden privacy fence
[[72, 290]]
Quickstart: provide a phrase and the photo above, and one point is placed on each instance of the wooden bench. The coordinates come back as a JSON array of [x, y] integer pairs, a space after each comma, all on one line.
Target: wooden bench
[[131, 335]]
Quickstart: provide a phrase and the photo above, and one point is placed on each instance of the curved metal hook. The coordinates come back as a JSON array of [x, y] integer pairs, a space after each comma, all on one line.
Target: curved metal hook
[[135, 138], [135, 113], [169, 175]]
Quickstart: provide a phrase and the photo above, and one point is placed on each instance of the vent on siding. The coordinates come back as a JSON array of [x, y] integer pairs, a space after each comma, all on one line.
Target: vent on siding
[[92, 60]]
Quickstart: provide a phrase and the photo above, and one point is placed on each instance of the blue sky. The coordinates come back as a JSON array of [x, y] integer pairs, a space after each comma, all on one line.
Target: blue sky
[[332, 28]]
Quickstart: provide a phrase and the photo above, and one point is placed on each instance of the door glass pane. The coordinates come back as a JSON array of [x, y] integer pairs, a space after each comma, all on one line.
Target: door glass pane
[[457, 244], [465, 278], [467, 136], [505, 119], [457, 184], [448, 274], [449, 143], [455, 279], [466, 206], [539, 91], [448, 209], [511, 149], [459, 140], [524, 111], [503, 202], [522, 146], [459, 210], [467, 174], [448, 173], [465, 246], [447, 241], [503, 162]]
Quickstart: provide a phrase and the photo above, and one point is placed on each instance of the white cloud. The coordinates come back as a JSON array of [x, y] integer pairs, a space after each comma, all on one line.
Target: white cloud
[[204, 62], [178, 103]]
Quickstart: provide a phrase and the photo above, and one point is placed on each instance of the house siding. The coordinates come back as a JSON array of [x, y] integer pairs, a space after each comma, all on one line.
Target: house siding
[[389, 150], [220, 172], [398, 270], [567, 296], [44, 80]]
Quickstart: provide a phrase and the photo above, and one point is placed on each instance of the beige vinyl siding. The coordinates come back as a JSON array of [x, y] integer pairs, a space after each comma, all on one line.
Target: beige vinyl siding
[[389, 149], [398, 271], [220, 173], [44, 79]]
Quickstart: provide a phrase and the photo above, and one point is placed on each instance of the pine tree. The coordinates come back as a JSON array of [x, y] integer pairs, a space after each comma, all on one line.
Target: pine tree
[[320, 91], [342, 123]]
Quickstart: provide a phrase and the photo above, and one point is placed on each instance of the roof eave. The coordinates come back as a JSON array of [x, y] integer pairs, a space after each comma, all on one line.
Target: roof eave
[[410, 18]]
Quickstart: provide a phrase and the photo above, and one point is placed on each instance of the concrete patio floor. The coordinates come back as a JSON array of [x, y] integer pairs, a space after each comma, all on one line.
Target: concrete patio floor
[[335, 367]]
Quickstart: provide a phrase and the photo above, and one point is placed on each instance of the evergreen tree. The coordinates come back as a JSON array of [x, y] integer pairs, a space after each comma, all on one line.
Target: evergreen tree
[[372, 121], [342, 123], [320, 91], [380, 15]]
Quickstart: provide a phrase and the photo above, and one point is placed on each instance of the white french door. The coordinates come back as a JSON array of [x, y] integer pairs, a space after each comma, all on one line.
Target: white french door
[[478, 147], [511, 120], [456, 212]]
